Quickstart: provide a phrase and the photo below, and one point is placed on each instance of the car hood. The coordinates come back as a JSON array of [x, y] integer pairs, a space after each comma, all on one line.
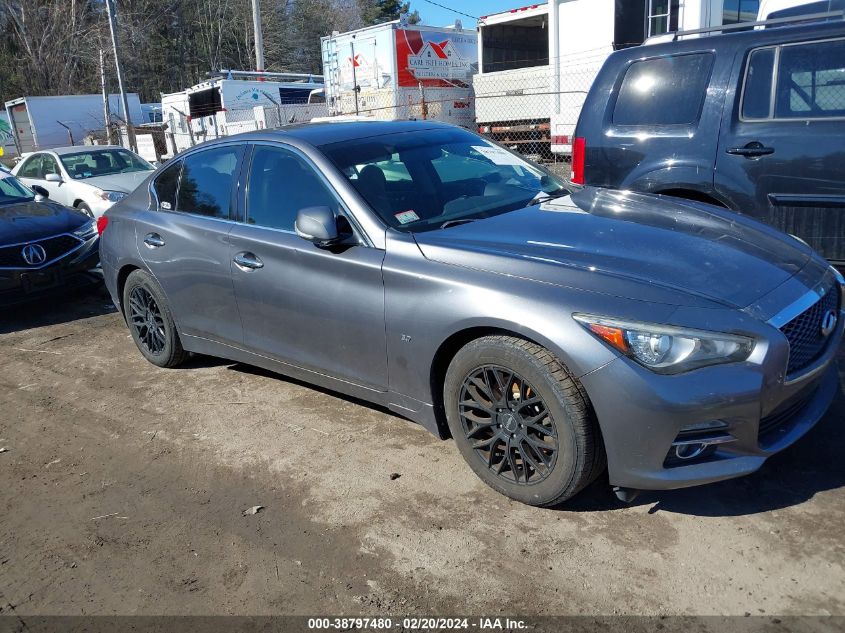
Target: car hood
[[127, 183], [29, 221], [642, 246]]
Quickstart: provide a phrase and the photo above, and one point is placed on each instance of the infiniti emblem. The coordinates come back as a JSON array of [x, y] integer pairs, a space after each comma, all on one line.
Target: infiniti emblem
[[828, 323], [33, 254]]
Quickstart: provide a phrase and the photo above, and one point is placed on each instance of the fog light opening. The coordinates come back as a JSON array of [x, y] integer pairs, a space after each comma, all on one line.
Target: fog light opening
[[690, 451]]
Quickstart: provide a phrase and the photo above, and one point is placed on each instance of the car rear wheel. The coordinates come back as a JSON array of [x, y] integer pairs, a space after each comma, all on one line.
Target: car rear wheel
[[150, 320], [521, 421]]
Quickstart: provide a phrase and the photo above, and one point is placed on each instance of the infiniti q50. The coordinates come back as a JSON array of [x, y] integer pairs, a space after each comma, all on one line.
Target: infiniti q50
[[552, 330]]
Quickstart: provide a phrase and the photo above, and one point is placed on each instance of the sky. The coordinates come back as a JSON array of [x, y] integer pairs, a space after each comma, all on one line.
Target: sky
[[436, 16]]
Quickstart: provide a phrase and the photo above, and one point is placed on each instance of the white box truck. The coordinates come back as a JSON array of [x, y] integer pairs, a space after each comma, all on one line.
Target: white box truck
[[225, 105], [45, 122], [397, 70]]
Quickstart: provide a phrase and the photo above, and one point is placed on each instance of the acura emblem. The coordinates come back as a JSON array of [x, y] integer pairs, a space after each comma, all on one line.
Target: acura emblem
[[34, 254], [828, 323]]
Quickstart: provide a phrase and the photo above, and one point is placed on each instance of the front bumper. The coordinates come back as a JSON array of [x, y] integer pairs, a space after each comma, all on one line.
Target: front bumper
[[18, 285], [642, 413]]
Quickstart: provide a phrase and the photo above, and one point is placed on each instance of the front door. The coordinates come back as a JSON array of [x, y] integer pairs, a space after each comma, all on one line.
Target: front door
[[185, 242], [315, 308], [781, 157]]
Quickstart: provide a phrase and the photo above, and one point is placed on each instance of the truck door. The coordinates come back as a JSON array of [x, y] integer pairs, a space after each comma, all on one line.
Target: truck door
[[781, 156]]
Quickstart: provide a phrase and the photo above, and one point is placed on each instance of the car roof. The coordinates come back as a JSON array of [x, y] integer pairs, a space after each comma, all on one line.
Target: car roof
[[736, 40], [75, 149], [328, 132]]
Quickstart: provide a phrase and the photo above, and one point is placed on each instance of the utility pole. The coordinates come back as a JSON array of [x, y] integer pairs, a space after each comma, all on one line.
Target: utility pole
[[259, 36], [130, 131], [106, 113]]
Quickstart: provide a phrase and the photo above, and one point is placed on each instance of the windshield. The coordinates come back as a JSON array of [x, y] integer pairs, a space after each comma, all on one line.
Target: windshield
[[103, 162], [12, 190], [419, 181]]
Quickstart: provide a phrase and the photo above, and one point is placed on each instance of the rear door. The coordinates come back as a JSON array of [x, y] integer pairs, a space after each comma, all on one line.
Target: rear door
[[782, 156], [184, 241], [320, 309]]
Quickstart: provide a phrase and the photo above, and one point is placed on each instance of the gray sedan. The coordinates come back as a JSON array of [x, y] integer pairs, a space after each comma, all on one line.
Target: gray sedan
[[551, 330]]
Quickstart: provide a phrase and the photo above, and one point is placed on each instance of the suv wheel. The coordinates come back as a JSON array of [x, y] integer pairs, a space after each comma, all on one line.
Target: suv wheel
[[521, 421], [150, 320]]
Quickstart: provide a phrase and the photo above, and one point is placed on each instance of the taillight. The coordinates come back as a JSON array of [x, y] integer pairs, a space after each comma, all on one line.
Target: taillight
[[579, 149], [102, 223]]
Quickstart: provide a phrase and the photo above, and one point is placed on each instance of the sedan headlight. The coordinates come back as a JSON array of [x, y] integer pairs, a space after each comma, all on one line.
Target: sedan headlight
[[87, 230], [112, 196], [666, 349]]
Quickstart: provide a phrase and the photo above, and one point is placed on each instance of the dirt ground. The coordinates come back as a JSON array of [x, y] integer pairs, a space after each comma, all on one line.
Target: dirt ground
[[123, 489]]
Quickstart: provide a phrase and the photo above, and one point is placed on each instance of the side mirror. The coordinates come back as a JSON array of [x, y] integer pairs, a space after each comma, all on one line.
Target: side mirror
[[40, 192], [317, 225], [53, 178]]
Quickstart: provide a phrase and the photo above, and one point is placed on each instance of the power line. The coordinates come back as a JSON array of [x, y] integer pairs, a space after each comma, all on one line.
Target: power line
[[442, 6]]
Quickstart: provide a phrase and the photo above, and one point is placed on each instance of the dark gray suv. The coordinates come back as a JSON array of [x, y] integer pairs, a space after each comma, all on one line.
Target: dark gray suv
[[549, 329], [751, 121]]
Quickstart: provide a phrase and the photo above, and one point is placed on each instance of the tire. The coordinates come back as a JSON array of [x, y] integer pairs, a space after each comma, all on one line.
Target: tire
[[555, 445], [144, 304], [85, 209]]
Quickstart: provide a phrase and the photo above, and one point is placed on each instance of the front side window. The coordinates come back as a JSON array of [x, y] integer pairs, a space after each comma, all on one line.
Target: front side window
[[49, 165], [31, 167], [811, 81], [207, 181], [664, 91], [280, 184], [662, 16], [166, 184], [426, 180], [103, 162]]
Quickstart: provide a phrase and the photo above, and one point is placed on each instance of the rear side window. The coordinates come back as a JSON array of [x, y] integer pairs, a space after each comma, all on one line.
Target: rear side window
[[208, 178], [811, 81], [280, 184], [757, 95], [166, 184], [663, 91], [31, 168]]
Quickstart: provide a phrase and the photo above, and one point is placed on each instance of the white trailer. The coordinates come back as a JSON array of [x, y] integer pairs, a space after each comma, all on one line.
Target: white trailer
[[397, 70], [226, 105], [44, 122]]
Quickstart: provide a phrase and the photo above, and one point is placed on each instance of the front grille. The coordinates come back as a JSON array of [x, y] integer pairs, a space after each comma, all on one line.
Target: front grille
[[781, 419], [804, 332], [54, 247]]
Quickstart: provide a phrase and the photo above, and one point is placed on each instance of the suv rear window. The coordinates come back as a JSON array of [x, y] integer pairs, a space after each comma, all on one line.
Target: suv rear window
[[664, 90]]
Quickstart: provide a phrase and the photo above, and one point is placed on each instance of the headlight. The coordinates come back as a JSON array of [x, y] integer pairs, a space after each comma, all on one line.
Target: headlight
[[87, 230], [112, 196], [666, 349]]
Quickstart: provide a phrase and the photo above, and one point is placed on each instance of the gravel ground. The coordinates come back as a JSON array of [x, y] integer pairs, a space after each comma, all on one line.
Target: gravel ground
[[124, 487]]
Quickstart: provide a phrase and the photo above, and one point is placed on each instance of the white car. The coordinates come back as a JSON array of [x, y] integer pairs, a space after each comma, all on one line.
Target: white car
[[88, 178]]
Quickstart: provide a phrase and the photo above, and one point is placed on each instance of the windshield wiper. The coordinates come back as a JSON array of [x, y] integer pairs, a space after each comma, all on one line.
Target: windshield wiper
[[449, 223], [550, 196]]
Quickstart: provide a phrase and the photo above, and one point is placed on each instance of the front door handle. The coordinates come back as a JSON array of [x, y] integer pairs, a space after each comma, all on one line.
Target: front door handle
[[153, 240], [248, 262], [755, 149]]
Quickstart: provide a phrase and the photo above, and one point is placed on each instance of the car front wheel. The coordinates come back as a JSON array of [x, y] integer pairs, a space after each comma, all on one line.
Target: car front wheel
[[150, 320], [522, 422]]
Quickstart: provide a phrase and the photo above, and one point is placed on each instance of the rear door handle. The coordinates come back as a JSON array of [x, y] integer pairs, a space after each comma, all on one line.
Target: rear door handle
[[248, 262], [754, 149], [153, 240]]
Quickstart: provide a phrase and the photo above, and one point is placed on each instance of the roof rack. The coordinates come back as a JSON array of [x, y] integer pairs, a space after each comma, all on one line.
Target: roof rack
[[744, 26], [292, 77]]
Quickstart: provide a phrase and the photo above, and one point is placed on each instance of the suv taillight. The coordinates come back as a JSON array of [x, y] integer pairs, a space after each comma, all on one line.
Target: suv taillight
[[579, 149], [102, 223]]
